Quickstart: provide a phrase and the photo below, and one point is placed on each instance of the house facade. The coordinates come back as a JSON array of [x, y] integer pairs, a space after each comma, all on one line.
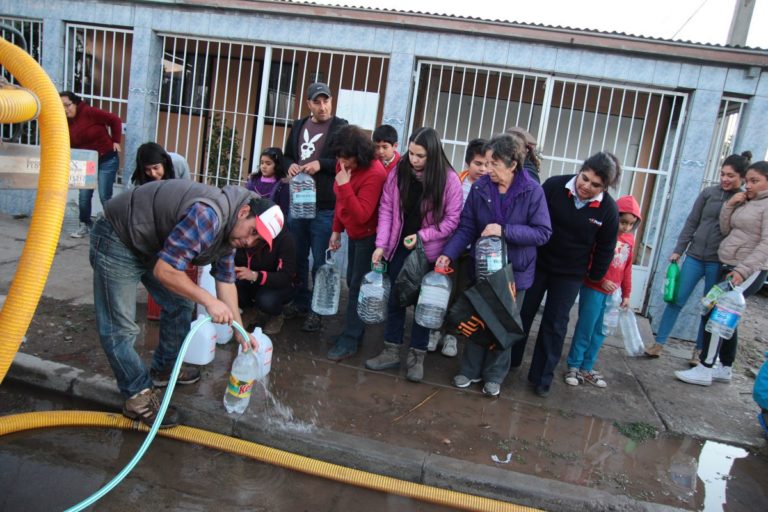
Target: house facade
[[218, 81]]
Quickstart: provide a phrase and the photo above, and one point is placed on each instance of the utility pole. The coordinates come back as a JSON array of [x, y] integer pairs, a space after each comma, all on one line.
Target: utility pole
[[742, 17]]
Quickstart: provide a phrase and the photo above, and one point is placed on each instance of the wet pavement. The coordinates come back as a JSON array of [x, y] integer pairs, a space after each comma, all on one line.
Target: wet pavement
[[646, 441]]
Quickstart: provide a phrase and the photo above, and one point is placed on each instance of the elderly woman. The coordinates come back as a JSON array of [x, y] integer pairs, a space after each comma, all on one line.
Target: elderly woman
[[744, 256], [509, 204], [585, 225]]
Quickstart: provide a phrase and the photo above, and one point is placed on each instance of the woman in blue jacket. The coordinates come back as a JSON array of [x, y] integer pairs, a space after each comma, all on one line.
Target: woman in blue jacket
[[509, 204]]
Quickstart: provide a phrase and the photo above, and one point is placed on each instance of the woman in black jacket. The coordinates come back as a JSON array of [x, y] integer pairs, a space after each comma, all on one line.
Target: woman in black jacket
[[265, 279]]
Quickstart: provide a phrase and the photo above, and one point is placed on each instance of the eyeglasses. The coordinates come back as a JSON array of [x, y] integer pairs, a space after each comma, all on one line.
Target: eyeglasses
[[67, 105]]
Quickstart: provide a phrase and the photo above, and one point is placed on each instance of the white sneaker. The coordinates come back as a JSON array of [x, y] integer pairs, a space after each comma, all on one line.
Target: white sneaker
[[722, 373], [81, 231], [699, 375], [434, 339], [449, 346], [572, 377]]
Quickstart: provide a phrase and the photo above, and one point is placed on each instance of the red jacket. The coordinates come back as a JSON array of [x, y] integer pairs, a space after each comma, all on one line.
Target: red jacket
[[357, 202], [620, 269], [88, 129]]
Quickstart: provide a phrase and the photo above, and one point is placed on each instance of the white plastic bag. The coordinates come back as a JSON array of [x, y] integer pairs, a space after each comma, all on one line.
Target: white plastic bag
[[633, 343]]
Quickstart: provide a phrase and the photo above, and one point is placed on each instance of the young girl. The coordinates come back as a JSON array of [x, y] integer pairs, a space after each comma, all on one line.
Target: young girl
[[269, 181], [421, 198], [588, 336]]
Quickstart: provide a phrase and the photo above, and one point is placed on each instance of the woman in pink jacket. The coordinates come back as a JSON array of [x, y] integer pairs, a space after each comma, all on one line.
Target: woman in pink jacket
[[421, 199]]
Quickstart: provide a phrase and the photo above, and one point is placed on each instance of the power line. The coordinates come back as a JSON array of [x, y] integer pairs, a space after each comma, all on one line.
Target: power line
[[689, 18]]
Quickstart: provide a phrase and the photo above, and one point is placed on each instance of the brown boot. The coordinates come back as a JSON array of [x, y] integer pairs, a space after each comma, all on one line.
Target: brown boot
[[654, 350], [694, 361], [274, 325]]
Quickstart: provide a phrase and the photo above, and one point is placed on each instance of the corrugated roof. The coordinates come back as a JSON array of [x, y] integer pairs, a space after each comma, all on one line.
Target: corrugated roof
[[541, 26]]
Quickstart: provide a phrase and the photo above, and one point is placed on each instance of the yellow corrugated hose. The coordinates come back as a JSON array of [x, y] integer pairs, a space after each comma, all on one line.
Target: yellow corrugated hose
[[17, 105], [48, 213]]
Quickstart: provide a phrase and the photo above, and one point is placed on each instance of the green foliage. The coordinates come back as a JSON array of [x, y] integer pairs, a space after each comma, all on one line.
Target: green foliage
[[224, 154]]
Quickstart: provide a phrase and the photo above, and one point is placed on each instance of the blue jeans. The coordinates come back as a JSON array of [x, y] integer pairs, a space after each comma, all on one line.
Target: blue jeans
[[693, 270], [116, 274], [309, 234], [105, 177], [588, 335], [394, 328]]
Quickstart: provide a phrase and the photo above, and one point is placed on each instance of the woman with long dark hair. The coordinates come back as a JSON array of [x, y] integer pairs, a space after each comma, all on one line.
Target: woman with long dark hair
[[421, 199]]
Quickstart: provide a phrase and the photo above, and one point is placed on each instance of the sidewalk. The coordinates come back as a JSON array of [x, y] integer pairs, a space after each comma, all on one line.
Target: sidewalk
[[565, 451]]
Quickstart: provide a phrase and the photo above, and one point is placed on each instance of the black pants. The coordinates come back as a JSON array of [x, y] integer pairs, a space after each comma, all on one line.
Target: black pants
[[561, 293], [358, 264], [268, 300], [726, 349]]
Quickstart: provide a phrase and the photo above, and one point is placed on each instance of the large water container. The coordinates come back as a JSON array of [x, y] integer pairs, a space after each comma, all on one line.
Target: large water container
[[490, 255], [263, 353], [374, 295], [303, 197], [327, 287], [202, 347], [611, 313], [726, 314], [208, 283], [433, 299]]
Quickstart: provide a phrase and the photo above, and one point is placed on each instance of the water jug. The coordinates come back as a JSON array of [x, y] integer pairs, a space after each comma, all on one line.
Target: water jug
[[726, 314], [303, 198], [327, 287], [202, 348], [672, 282], [263, 353], [490, 255], [208, 283], [433, 299], [708, 301], [633, 342], [611, 313], [240, 385], [374, 294]]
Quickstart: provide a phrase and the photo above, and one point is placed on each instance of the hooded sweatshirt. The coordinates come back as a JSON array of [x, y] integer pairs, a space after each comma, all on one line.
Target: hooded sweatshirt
[[620, 269]]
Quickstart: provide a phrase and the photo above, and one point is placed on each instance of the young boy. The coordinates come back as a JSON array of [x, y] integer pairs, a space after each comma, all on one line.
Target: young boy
[[474, 161], [588, 335], [385, 140]]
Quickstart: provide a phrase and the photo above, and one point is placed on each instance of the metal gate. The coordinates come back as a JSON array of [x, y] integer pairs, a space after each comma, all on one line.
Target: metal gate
[[222, 102], [571, 119]]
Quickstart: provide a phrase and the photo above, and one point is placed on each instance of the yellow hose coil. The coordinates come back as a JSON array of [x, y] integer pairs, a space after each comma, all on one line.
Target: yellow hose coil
[[17, 105], [27, 421], [48, 213]]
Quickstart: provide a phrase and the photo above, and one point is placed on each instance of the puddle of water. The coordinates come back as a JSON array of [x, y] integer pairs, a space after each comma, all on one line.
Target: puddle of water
[[715, 464]]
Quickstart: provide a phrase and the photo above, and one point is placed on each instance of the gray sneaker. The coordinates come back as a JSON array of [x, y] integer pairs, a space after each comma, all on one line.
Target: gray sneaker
[[82, 231], [415, 364], [491, 389], [450, 348], [388, 358], [460, 381]]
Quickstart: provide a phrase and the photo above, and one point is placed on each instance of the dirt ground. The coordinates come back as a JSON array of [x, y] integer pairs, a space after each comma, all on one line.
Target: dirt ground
[[63, 322]]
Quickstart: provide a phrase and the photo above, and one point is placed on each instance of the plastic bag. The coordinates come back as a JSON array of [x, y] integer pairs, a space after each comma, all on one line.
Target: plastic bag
[[633, 343], [408, 281]]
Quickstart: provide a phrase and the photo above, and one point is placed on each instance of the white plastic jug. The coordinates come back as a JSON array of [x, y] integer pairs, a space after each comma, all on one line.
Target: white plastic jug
[[327, 287], [374, 295], [433, 299], [208, 283], [303, 197], [263, 353], [202, 348]]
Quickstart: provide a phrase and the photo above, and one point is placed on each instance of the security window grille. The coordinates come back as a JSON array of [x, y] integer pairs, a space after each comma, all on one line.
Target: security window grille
[[728, 118]]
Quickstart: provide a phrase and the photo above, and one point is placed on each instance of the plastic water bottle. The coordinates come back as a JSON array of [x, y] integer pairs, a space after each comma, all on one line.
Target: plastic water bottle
[[202, 348], [263, 353], [726, 315], [303, 197], [611, 314], [433, 299], [208, 283], [713, 295], [672, 282], [374, 295], [327, 287], [245, 368], [490, 255]]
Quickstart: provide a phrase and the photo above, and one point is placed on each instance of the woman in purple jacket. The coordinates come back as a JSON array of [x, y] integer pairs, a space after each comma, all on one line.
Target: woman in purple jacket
[[421, 199], [508, 204]]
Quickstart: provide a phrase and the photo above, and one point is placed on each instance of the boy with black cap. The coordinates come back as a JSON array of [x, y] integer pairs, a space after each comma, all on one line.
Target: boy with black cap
[[306, 150]]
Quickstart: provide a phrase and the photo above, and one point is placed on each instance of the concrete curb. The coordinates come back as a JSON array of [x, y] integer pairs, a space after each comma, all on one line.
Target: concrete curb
[[343, 449]]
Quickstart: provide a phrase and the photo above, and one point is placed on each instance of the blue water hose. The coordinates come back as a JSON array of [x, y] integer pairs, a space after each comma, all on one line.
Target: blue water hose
[[158, 419]]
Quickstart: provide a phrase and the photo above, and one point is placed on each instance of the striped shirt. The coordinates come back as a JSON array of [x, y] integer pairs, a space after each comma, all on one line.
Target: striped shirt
[[193, 235]]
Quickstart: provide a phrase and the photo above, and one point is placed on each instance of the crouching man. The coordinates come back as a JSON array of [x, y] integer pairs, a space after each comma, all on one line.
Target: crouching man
[[151, 234]]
